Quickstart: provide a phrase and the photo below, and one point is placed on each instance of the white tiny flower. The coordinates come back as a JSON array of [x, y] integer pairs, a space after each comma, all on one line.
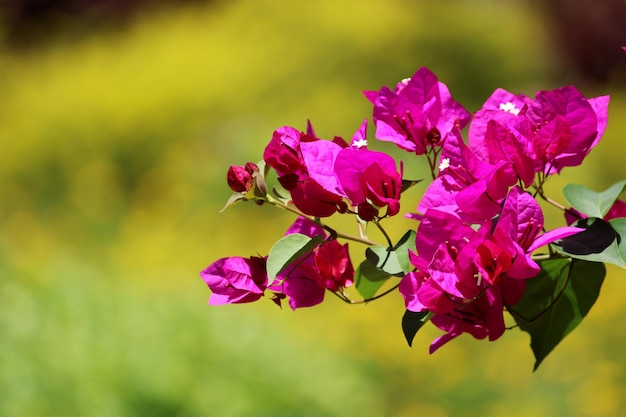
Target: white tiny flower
[[361, 143], [509, 108], [479, 279], [445, 163]]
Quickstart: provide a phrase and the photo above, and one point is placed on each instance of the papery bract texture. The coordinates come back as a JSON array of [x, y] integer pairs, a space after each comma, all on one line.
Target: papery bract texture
[[366, 176], [283, 151], [467, 186], [240, 178], [481, 318], [327, 266], [235, 280], [334, 266], [304, 165], [557, 129], [417, 114]]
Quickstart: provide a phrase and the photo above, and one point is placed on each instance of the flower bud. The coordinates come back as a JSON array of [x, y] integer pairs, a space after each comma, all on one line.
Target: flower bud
[[240, 178], [367, 212]]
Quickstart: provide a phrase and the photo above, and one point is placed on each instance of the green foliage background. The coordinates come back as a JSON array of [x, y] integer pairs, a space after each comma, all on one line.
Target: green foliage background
[[112, 175]]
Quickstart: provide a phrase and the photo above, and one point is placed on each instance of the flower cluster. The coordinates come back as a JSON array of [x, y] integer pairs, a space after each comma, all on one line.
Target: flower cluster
[[472, 256]]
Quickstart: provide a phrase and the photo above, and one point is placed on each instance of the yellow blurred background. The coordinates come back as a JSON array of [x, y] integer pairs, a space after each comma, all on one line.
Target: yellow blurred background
[[114, 147]]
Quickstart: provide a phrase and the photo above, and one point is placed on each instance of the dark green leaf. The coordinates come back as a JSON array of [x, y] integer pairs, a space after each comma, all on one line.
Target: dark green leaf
[[619, 225], [413, 321], [556, 301], [369, 279], [596, 237], [591, 203], [406, 184], [260, 184], [599, 242], [287, 250]]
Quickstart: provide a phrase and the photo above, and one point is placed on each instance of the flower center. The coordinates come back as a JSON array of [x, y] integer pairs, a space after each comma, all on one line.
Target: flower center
[[509, 108]]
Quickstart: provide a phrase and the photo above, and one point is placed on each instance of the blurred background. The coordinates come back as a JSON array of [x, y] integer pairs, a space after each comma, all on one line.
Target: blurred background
[[118, 121]]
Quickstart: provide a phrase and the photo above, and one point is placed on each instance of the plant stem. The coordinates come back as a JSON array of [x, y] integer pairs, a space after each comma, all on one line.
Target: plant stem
[[384, 232], [332, 231], [366, 300]]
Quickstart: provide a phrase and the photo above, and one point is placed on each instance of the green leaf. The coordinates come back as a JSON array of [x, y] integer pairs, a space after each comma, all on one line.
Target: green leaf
[[619, 225], [556, 301], [281, 194], [260, 184], [591, 203], [287, 250], [413, 321], [406, 184], [393, 260], [235, 198], [368, 279], [599, 242]]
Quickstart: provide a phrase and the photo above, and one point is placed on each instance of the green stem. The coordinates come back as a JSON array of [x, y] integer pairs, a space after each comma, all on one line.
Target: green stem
[[384, 232], [542, 312], [366, 300], [332, 231], [550, 201]]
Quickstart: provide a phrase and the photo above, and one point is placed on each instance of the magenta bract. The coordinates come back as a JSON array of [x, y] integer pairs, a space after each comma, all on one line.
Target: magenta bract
[[557, 129], [417, 114], [366, 176], [240, 178], [479, 223], [235, 280], [304, 165], [306, 280]]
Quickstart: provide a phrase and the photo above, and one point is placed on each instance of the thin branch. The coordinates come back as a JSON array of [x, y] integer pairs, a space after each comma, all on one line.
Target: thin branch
[[332, 231]]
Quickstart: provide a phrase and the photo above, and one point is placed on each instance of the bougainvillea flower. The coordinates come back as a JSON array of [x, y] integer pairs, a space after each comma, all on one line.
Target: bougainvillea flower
[[283, 151], [240, 178], [431, 295], [481, 318], [328, 266], [465, 273], [299, 282], [368, 177], [504, 146], [235, 280], [439, 282], [334, 266], [467, 185], [304, 164], [557, 129], [586, 119], [314, 200], [319, 159], [417, 114], [519, 230], [460, 277]]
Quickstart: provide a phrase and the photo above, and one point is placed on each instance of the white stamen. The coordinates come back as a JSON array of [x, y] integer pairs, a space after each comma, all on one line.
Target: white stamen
[[509, 108], [361, 143], [445, 163], [479, 279]]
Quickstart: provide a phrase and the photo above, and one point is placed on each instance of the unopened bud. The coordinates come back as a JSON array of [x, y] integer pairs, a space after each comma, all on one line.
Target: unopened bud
[[240, 177], [367, 212]]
